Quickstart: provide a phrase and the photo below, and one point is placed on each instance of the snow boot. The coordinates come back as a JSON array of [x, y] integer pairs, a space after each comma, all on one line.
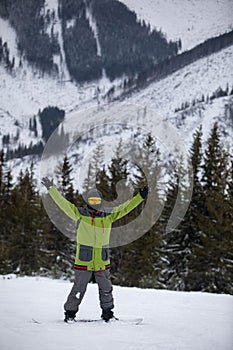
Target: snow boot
[[69, 316], [107, 314]]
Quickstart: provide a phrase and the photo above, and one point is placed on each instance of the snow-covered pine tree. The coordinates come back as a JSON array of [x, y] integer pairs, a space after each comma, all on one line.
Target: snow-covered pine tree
[[95, 165]]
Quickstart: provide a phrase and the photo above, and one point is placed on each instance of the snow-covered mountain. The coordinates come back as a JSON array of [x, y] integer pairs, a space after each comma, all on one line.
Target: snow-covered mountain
[[26, 90], [203, 77], [194, 21], [171, 320]]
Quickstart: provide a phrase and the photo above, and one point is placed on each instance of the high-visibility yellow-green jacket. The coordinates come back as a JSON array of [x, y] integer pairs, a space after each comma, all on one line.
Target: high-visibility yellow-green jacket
[[93, 232]]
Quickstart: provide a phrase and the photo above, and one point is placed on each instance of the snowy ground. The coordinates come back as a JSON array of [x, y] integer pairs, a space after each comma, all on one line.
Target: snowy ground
[[172, 321]]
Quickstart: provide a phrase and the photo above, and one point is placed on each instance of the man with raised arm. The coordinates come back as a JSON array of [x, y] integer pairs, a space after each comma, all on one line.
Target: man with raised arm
[[92, 252]]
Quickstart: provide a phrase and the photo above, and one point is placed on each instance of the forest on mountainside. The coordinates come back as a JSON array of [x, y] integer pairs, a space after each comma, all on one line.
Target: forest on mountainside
[[127, 45], [34, 43], [100, 37], [49, 119], [174, 63], [196, 256]]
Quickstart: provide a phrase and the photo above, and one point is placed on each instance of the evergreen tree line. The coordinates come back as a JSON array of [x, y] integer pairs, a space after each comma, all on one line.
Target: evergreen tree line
[[50, 117], [22, 150], [127, 46], [220, 92], [5, 56], [197, 255], [33, 126], [30, 24], [80, 44]]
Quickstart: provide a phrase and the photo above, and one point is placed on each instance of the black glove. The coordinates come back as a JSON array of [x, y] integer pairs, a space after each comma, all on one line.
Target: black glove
[[46, 182], [144, 191]]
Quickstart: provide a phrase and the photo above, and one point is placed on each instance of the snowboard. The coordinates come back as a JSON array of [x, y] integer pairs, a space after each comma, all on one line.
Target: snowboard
[[133, 321]]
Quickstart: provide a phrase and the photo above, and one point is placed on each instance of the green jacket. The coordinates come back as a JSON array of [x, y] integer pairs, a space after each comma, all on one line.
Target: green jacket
[[94, 228]]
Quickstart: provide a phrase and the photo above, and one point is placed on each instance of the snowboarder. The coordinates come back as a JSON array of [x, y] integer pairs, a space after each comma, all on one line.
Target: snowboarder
[[92, 253]]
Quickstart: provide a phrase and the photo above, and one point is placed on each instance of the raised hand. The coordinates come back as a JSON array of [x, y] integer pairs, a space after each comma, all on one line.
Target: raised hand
[[46, 182], [144, 191]]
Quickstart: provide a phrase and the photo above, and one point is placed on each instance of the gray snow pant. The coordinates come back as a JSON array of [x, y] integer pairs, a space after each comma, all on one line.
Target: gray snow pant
[[82, 277]]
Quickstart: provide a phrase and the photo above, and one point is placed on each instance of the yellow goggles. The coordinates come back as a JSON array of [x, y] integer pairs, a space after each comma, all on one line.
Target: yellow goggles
[[94, 200]]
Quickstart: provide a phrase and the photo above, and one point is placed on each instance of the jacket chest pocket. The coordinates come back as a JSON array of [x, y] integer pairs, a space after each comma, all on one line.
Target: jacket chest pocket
[[105, 253], [85, 253]]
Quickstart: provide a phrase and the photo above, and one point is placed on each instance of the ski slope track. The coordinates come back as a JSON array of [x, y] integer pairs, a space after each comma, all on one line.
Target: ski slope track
[[32, 318]]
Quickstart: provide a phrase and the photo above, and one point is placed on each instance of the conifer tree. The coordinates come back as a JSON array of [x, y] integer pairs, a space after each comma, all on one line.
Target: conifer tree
[[230, 194], [228, 257], [25, 253], [144, 251], [182, 264], [5, 215], [104, 183], [63, 235], [190, 224], [213, 226], [170, 243], [118, 171], [147, 247], [66, 179], [89, 180], [95, 165], [2, 165], [178, 245]]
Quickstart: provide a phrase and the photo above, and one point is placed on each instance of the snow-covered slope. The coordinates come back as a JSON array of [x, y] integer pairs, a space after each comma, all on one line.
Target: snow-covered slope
[[194, 21], [9, 35], [171, 320], [203, 77], [26, 91], [55, 24], [24, 95]]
